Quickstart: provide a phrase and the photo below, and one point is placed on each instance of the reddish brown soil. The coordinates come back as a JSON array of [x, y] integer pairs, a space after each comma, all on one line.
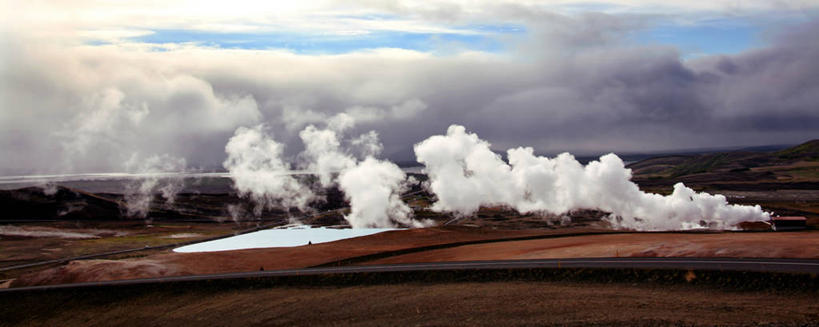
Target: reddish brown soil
[[762, 245], [795, 244], [174, 264], [416, 304]]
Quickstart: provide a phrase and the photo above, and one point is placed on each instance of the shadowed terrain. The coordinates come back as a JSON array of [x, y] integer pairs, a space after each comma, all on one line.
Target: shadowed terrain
[[487, 303]]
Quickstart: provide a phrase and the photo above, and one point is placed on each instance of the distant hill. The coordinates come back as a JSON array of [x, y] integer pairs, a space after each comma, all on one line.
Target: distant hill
[[805, 151], [792, 165], [36, 203], [58, 202]]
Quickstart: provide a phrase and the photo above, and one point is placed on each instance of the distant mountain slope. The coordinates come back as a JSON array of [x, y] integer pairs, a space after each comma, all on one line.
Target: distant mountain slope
[[795, 164], [674, 166], [35, 203], [805, 151], [66, 203]]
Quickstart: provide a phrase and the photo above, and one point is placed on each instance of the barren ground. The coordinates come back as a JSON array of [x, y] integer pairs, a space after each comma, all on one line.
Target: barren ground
[[737, 245], [34, 242], [792, 244], [433, 304], [173, 264]]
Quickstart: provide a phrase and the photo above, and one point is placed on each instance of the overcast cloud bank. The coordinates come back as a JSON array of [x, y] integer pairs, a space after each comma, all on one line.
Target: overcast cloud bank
[[571, 82]]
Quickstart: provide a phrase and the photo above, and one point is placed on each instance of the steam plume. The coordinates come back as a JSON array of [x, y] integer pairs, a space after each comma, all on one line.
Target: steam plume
[[372, 186], [323, 152], [140, 192], [258, 171], [465, 174]]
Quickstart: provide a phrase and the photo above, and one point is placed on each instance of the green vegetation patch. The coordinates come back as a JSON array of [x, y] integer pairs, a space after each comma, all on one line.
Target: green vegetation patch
[[807, 151]]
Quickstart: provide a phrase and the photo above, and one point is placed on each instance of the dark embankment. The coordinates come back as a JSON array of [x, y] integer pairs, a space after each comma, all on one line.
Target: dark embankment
[[470, 297]]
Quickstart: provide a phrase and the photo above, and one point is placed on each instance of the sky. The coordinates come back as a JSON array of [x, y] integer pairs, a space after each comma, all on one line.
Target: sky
[[98, 86]]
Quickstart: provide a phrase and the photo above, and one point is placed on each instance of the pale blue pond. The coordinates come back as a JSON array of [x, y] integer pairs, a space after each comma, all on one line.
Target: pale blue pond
[[283, 237]]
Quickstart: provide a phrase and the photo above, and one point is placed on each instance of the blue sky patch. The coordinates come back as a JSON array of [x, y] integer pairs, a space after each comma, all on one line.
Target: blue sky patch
[[723, 37], [484, 40]]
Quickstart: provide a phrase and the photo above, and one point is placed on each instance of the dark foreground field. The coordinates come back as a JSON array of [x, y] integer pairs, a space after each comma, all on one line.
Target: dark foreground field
[[469, 303]]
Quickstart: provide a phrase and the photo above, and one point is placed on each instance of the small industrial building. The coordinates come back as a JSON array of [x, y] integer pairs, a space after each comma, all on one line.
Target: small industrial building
[[788, 223]]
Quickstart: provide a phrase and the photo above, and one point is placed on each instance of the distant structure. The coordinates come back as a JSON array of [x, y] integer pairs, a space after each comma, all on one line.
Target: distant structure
[[788, 223]]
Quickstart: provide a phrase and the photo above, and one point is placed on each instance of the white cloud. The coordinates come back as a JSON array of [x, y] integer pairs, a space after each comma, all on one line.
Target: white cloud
[[570, 82], [113, 21], [295, 117]]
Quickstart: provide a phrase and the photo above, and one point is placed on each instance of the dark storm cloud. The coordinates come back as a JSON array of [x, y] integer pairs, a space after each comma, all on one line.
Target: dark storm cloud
[[768, 90], [637, 98]]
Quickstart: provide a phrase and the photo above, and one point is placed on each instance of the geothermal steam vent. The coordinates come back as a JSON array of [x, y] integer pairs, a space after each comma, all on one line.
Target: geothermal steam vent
[[465, 174]]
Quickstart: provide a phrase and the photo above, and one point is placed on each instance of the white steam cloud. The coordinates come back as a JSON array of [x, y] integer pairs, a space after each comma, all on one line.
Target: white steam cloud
[[258, 171], [154, 179], [372, 186], [465, 174], [323, 153]]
